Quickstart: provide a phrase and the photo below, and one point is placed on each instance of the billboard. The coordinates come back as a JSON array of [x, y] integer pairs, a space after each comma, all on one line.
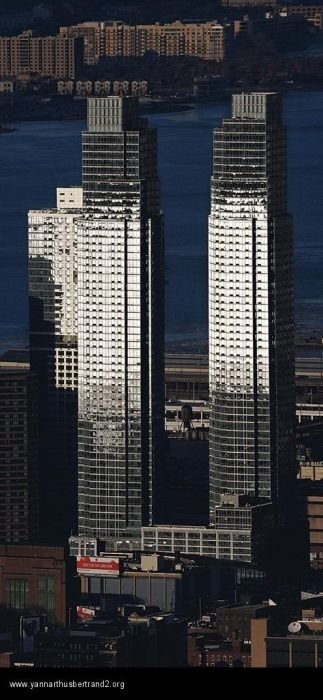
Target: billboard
[[85, 613], [98, 566]]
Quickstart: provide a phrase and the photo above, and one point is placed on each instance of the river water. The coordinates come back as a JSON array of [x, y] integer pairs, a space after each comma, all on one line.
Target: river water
[[40, 156]]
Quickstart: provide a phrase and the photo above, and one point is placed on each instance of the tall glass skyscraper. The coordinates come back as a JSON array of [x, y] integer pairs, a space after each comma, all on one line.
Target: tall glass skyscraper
[[251, 347], [251, 339], [120, 322], [97, 331]]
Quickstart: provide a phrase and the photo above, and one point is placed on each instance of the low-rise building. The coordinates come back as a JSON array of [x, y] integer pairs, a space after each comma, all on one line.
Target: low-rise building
[[295, 651], [85, 88], [140, 640], [175, 583], [312, 13], [235, 621], [103, 646], [287, 635], [206, 650], [19, 457], [310, 510], [7, 87], [37, 580]]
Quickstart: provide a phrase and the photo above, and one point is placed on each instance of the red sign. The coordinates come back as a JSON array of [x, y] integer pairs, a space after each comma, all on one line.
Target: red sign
[[85, 613], [96, 566]]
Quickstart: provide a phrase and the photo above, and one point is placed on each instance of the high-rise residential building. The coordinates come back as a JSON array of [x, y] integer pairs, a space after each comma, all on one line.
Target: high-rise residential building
[[251, 348], [93, 34], [251, 363], [53, 355], [97, 331], [120, 322], [19, 458], [206, 40], [5, 56], [46, 56]]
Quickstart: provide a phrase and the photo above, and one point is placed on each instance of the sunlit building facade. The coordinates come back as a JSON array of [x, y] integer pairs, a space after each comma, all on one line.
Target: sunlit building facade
[[27, 55], [120, 322], [205, 40], [251, 341], [97, 331]]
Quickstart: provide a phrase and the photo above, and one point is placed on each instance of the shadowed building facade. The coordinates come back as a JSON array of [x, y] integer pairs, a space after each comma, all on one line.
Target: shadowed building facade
[[19, 463], [52, 273]]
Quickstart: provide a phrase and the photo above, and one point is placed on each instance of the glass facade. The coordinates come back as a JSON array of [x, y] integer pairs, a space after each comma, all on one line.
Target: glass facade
[[97, 327], [120, 322], [234, 543], [250, 307], [53, 272]]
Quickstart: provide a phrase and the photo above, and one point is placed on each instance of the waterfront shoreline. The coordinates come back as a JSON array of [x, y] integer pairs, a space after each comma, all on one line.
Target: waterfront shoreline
[[59, 113], [75, 110]]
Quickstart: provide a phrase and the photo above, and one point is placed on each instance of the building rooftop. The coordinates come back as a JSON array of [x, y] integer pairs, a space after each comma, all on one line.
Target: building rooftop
[[245, 608], [15, 355], [302, 637], [55, 211], [15, 359]]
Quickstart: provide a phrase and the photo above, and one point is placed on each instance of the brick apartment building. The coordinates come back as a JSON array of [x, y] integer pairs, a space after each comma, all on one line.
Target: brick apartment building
[[37, 580]]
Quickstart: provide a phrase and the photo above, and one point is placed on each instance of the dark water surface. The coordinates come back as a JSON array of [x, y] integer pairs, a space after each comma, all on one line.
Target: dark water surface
[[40, 156]]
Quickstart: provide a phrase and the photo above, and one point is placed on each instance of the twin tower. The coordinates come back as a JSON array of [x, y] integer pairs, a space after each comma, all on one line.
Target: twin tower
[[96, 284]]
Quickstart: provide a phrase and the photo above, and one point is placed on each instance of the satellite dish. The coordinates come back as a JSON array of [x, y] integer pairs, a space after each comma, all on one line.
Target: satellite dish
[[294, 627]]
